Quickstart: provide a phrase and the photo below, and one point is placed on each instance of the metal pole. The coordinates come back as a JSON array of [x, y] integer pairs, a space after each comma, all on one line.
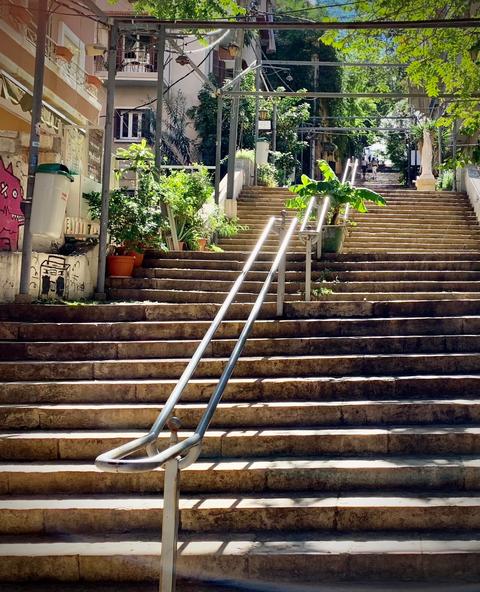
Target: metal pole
[[282, 267], [257, 112], [165, 209], [308, 268], [107, 162], [454, 150], [409, 168], [218, 148], [160, 90], [319, 236], [23, 295], [274, 127], [232, 142], [312, 158], [170, 515]]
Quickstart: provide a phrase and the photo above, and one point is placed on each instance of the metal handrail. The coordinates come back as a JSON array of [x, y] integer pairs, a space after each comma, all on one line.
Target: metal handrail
[[115, 460]]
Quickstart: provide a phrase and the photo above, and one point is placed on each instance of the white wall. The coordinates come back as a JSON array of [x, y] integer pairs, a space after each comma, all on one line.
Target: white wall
[[471, 180], [77, 273]]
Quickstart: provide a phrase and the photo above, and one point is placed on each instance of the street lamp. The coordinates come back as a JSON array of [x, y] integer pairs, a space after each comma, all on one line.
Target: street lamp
[[233, 49], [182, 60]]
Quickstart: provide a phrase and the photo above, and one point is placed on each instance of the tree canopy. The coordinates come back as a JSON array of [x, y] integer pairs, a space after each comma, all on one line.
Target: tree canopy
[[187, 9], [439, 61]]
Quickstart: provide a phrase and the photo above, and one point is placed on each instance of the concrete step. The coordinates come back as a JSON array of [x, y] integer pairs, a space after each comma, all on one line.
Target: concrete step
[[256, 367], [155, 330], [263, 346], [328, 274], [295, 310], [240, 414], [257, 442], [224, 584], [313, 388], [417, 473], [347, 512], [314, 555]]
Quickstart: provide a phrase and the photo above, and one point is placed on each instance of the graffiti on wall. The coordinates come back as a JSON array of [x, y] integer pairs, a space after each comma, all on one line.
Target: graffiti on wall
[[53, 278], [11, 216]]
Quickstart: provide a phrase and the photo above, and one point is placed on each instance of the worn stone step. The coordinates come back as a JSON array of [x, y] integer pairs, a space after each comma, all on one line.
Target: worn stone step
[[270, 346], [253, 443], [239, 414], [180, 296], [225, 584], [294, 310], [406, 473], [327, 273], [300, 558], [145, 330], [313, 388], [258, 367], [207, 513], [412, 286]]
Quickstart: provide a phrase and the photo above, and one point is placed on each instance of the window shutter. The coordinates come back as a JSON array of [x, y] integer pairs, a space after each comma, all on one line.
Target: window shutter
[[116, 125]]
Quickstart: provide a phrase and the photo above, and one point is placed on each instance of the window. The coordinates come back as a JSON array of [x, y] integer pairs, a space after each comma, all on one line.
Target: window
[[129, 125]]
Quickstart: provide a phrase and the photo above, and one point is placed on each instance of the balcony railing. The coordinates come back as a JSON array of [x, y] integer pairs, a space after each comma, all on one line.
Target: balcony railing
[[138, 61], [23, 22]]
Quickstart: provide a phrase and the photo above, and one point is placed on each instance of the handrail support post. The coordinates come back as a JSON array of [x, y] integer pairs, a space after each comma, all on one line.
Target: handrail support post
[[319, 237], [281, 268], [170, 513], [308, 268]]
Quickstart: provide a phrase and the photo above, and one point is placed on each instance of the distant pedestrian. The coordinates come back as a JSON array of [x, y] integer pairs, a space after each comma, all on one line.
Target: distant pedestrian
[[374, 169], [364, 165]]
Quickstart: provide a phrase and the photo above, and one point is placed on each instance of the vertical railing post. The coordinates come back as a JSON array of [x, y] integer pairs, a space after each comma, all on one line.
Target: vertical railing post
[[319, 236], [170, 515], [281, 268], [308, 268]]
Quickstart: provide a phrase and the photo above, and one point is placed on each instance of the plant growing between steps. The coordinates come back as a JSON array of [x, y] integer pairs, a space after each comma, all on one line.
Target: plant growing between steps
[[340, 194]]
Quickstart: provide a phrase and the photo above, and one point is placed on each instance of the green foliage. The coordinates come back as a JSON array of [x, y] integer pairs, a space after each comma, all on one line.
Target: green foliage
[[285, 164], [340, 193], [186, 9], [291, 112], [439, 60], [134, 217], [267, 175], [246, 154], [445, 181], [190, 195]]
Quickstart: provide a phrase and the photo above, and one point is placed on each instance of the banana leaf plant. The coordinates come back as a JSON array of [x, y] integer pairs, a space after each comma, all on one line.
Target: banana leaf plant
[[340, 194]]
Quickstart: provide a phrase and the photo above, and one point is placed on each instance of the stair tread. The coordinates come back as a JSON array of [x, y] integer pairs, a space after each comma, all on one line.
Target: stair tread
[[225, 501], [254, 543]]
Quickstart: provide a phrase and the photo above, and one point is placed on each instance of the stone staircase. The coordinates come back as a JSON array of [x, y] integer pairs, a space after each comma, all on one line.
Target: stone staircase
[[346, 446]]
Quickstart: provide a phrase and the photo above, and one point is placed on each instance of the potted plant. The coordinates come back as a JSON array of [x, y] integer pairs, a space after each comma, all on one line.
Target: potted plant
[[63, 54], [135, 221], [341, 195]]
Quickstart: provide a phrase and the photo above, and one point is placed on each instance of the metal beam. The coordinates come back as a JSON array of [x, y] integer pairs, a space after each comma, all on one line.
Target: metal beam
[[351, 129], [457, 23], [104, 18], [336, 95], [331, 64]]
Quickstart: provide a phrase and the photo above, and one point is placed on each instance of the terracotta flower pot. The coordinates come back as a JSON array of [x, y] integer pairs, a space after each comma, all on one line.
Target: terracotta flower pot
[[181, 245], [120, 265], [64, 53], [138, 257], [202, 243], [93, 80]]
